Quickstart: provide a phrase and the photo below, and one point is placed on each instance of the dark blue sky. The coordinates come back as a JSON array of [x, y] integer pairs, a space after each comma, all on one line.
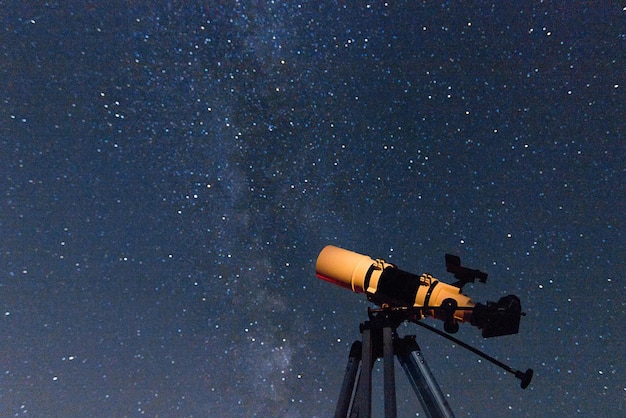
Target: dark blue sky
[[170, 172]]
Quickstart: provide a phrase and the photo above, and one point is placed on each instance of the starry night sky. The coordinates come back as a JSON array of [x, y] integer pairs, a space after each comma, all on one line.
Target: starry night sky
[[170, 171]]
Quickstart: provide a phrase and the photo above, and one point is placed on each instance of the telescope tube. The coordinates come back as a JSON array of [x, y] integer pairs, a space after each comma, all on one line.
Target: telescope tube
[[384, 283]]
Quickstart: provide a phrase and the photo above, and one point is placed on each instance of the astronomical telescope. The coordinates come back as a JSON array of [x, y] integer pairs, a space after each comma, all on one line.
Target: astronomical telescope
[[386, 285], [404, 296]]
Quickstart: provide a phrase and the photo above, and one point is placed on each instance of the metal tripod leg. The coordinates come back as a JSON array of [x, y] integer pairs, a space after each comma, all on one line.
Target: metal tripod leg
[[390, 377], [421, 378], [362, 407], [349, 380]]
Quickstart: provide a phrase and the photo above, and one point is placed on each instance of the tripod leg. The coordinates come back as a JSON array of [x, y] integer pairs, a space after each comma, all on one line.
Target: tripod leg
[[390, 378], [422, 379], [363, 398], [349, 379]]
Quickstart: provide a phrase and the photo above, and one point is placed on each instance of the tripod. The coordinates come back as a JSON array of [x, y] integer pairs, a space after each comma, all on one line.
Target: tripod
[[380, 340]]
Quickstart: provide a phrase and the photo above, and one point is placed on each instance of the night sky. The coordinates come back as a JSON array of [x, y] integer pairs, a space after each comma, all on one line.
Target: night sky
[[171, 170]]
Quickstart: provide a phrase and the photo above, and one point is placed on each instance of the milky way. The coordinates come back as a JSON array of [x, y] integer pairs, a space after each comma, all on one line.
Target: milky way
[[170, 173]]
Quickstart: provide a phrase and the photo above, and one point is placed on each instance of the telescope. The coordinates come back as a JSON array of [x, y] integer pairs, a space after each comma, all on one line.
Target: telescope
[[423, 296], [403, 296]]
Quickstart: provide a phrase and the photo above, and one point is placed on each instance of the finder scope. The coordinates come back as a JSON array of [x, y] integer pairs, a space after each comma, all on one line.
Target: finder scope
[[385, 284]]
